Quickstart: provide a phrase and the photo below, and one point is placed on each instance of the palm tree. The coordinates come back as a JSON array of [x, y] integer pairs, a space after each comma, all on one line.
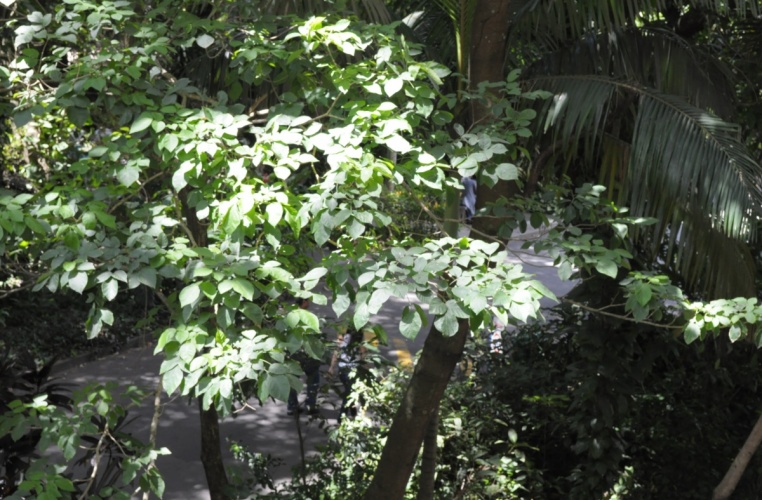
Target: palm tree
[[642, 106], [635, 96]]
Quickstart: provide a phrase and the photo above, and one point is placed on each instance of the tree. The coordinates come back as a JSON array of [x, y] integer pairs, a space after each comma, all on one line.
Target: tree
[[665, 134], [166, 187]]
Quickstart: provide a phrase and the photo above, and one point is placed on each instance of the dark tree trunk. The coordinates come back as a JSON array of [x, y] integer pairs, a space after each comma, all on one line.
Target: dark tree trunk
[[211, 456], [737, 468], [211, 452], [438, 358], [429, 459], [487, 64]]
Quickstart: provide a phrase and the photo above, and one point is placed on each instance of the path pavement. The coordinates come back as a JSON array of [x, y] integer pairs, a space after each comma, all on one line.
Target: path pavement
[[265, 429]]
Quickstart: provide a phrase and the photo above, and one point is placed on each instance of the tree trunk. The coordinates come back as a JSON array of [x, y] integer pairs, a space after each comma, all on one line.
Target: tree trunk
[[211, 455], [429, 459], [211, 451], [438, 358], [730, 481], [487, 64]]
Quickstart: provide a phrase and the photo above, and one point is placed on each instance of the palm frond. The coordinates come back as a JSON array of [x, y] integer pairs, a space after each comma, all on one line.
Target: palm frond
[[682, 160], [653, 57], [691, 248], [572, 19]]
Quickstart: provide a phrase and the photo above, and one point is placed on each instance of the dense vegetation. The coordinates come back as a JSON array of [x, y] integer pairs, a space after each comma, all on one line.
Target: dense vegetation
[[210, 161]]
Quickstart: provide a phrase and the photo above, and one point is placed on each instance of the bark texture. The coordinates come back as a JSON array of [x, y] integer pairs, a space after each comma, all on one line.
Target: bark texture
[[737, 468], [211, 456], [438, 358], [429, 459], [487, 64]]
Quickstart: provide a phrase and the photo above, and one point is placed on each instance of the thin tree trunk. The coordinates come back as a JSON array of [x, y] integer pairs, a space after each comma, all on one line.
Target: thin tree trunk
[[429, 459], [438, 358], [211, 451], [211, 455], [487, 64], [737, 468], [155, 424]]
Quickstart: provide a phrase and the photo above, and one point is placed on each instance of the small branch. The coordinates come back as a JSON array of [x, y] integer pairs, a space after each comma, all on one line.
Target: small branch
[[95, 461], [425, 209], [620, 316], [124, 200], [157, 410]]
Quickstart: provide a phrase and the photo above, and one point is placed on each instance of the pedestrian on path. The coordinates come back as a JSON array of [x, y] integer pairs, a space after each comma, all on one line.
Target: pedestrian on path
[[346, 360], [468, 199]]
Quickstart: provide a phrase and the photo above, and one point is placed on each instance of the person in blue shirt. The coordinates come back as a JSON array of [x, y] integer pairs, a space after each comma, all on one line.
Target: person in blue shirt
[[468, 199]]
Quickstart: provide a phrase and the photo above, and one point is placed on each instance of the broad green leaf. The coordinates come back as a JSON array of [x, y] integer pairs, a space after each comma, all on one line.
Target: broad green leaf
[[447, 324], [275, 386], [340, 304], [244, 288], [110, 288], [141, 123], [204, 41], [643, 294], [411, 322], [147, 276], [735, 333], [274, 213], [172, 379], [128, 174], [190, 294], [78, 282], [392, 86], [378, 299], [692, 332], [606, 267]]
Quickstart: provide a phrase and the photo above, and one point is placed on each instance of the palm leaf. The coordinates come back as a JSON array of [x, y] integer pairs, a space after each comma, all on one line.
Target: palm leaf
[[682, 160], [571, 19]]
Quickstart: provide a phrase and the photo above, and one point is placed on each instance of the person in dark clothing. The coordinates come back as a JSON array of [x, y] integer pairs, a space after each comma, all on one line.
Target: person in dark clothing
[[468, 199], [346, 359]]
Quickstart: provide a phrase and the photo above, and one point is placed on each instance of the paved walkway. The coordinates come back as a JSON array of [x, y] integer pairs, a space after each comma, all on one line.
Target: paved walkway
[[265, 429]]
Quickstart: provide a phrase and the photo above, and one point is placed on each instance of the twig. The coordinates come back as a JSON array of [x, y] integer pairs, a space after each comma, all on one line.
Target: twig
[[157, 410], [95, 461], [620, 316]]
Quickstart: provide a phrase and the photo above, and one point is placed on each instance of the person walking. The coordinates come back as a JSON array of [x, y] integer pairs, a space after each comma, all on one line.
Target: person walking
[[468, 199], [346, 359]]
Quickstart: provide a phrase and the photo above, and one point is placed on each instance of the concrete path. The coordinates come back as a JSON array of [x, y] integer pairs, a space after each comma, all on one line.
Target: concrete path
[[266, 429]]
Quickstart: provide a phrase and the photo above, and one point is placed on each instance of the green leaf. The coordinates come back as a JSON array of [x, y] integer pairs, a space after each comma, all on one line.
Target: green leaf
[[392, 86], [128, 174], [78, 282], [692, 332], [340, 304], [172, 379], [377, 300], [411, 322], [190, 294], [141, 123], [643, 294], [447, 324], [244, 288], [147, 276], [606, 267], [204, 41], [110, 288], [507, 172], [275, 386], [274, 213], [735, 333]]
